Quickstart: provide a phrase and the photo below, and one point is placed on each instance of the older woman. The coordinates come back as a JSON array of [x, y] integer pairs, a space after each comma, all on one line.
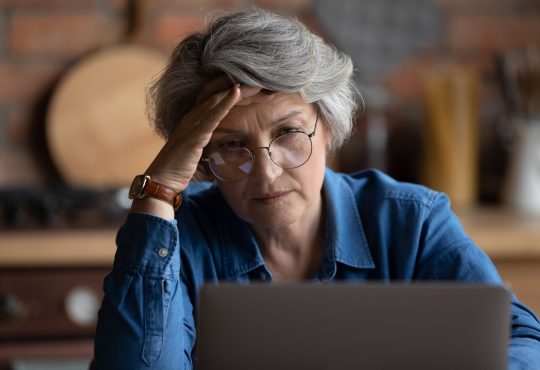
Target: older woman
[[257, 103]]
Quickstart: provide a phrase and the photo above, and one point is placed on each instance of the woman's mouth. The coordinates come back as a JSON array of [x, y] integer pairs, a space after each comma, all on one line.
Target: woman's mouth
[[272, 197]]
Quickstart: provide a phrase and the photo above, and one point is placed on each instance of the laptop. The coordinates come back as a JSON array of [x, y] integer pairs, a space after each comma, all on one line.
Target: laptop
[[345, 326]]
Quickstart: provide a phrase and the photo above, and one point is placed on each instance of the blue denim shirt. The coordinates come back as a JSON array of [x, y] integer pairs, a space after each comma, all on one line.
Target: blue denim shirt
[[376, 229]]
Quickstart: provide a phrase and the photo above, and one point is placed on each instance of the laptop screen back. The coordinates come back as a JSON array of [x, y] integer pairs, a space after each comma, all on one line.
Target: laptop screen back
[[353, 326]]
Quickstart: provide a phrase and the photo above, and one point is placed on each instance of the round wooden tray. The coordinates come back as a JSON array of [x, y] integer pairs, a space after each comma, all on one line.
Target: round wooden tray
[[97, 129]]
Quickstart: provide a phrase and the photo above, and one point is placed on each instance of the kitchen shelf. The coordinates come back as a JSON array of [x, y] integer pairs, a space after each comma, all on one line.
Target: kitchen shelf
[[57, 248], [503, 234]]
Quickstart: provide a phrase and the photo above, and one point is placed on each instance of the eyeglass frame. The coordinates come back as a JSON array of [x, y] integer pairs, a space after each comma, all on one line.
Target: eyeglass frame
[[206, 160]]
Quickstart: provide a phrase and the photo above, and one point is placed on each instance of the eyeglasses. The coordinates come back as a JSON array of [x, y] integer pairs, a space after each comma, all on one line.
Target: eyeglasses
[[288, 150]]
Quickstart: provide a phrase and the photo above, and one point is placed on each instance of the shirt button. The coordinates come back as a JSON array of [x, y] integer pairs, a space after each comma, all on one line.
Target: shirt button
[[163, 252], [263, 276]]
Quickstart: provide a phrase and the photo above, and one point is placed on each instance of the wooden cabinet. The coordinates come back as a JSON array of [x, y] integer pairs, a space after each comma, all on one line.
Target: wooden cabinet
[[49, 314], [523, 278], [50, 290], [512, 240]]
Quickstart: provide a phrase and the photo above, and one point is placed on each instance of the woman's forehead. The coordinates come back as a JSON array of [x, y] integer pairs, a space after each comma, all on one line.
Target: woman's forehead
[[281, 106]]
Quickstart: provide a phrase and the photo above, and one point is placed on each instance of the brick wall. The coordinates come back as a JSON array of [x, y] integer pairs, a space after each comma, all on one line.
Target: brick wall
[[474, 30], [41, 39]]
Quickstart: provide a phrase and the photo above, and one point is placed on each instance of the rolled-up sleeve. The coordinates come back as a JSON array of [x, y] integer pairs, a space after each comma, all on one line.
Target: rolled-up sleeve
[[142, 323]]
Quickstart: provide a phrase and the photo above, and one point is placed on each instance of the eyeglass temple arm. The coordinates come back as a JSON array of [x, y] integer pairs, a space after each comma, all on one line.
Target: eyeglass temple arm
[[316, 122]]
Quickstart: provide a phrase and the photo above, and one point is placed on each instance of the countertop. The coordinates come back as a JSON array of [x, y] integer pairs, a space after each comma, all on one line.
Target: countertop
[[501, 233]]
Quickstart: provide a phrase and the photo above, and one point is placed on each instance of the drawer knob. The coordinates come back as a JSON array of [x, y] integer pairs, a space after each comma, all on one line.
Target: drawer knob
[[82, 305], [12, 308]]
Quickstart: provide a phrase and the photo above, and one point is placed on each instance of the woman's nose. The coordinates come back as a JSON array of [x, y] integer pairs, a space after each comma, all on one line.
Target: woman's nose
[[264, 169]]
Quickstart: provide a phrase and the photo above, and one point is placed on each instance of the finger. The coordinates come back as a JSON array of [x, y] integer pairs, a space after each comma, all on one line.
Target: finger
[[220, 83], [220, 107], [211, 102], [202, 119], [248, 91]]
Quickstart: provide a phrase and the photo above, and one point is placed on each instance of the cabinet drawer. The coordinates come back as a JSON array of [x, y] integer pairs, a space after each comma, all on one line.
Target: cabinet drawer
[[49, 303]]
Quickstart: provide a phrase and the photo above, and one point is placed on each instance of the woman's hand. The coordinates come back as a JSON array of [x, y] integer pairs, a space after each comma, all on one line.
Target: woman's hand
[[176, 163]]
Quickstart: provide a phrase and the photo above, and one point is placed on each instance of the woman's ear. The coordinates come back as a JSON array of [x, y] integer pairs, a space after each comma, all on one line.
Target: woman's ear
[[328, 143], [327, 135]]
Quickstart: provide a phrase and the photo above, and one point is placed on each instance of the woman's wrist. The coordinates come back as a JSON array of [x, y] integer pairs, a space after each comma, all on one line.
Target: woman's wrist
[[154, 207], [169, 178]]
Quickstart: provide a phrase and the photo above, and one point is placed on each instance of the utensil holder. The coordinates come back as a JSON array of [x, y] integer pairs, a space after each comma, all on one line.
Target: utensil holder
[[522, 188]]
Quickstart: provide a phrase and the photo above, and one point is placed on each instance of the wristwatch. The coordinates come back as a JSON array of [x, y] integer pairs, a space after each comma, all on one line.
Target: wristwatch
[[143, 186]]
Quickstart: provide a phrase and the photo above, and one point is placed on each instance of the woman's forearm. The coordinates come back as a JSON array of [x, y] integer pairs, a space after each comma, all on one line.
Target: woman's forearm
[[141, 323]]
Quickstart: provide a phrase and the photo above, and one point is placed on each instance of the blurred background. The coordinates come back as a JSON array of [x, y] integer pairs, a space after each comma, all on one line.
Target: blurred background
[[452, 101]]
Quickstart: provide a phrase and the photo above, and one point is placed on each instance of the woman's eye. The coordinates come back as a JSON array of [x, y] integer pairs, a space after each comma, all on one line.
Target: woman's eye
[[288, 130]]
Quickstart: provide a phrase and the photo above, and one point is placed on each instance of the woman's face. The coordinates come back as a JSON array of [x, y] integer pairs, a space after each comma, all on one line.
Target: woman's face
[[271, 196]]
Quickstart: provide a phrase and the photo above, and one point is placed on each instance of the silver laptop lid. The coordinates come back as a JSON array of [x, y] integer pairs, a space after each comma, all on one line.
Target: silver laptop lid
[[353, 326]]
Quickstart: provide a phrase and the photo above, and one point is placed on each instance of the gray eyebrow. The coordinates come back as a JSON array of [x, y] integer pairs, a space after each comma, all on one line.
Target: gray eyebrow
[[286, 117]]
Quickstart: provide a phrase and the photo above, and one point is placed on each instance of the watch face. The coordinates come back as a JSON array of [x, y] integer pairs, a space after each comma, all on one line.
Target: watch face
[[137, 187]]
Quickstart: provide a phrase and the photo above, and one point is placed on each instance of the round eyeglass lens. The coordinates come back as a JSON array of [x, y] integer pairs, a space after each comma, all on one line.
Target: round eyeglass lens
[[230, 163], [291, 150]]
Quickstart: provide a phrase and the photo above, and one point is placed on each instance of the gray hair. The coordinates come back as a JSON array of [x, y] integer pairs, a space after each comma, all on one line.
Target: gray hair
[[262, 49]]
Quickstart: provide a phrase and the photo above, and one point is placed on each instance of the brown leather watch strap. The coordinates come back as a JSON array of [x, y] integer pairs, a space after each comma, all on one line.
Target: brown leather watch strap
[[143, 186], [158, 191]]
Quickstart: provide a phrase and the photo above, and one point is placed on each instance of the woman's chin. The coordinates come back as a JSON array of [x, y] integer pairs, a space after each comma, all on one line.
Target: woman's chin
[[273, 217]]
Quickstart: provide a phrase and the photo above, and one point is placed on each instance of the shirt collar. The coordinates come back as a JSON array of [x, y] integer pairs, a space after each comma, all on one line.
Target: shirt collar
[[240, 251], [345, 240], [345, 237]]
